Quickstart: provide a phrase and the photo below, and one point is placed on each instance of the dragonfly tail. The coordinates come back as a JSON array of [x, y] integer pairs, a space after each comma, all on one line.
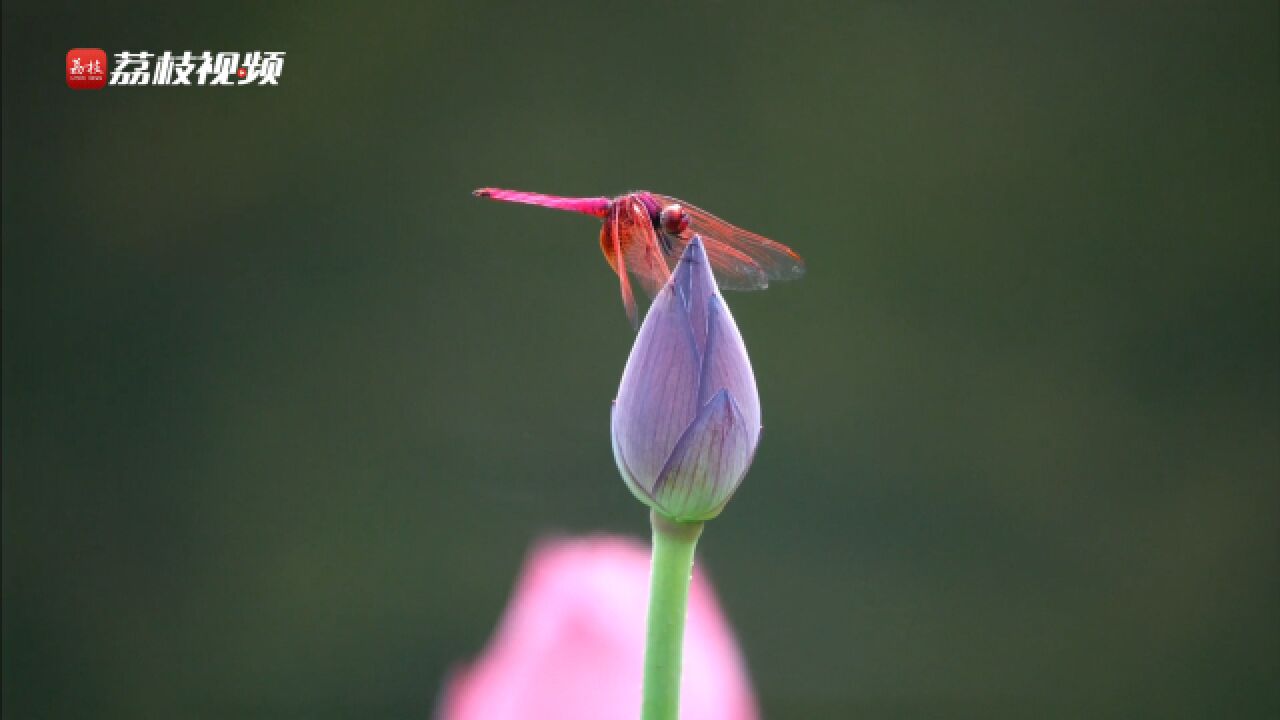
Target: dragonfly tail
[[595, 206]]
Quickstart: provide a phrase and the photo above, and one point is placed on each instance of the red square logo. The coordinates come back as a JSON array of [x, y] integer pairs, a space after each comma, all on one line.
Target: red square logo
[[86, 69]]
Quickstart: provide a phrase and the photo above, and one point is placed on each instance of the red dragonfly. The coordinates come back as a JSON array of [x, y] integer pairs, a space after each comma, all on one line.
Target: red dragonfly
[[644, 234]]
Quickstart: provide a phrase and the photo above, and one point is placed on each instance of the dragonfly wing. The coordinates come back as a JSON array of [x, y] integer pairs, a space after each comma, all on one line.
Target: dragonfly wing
[[639, 244], [741, 259], [611, 244], [734, 269]]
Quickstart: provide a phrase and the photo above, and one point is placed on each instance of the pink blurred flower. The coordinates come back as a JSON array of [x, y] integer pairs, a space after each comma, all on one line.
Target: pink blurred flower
[[571, 644]]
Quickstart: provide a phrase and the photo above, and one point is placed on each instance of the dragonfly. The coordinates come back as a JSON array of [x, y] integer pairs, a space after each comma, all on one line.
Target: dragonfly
[[644, 233]]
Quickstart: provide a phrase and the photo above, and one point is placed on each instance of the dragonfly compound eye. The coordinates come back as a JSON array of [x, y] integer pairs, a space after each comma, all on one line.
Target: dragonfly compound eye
[[674, 220]]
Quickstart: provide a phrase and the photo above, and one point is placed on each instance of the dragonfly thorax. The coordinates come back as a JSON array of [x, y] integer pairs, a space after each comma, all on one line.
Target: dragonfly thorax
[[670, 221]]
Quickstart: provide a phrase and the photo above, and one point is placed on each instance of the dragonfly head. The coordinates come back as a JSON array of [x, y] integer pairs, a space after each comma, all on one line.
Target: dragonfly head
[[674, 220]]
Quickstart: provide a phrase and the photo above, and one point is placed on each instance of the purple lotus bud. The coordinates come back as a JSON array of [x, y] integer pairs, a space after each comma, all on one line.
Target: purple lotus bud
[[687, 418]]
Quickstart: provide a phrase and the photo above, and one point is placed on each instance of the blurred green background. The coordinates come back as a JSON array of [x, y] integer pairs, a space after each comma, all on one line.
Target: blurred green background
[[284, 405]]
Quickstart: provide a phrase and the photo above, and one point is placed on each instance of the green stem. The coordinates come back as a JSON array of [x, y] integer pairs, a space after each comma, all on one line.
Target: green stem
[[673, 545]]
